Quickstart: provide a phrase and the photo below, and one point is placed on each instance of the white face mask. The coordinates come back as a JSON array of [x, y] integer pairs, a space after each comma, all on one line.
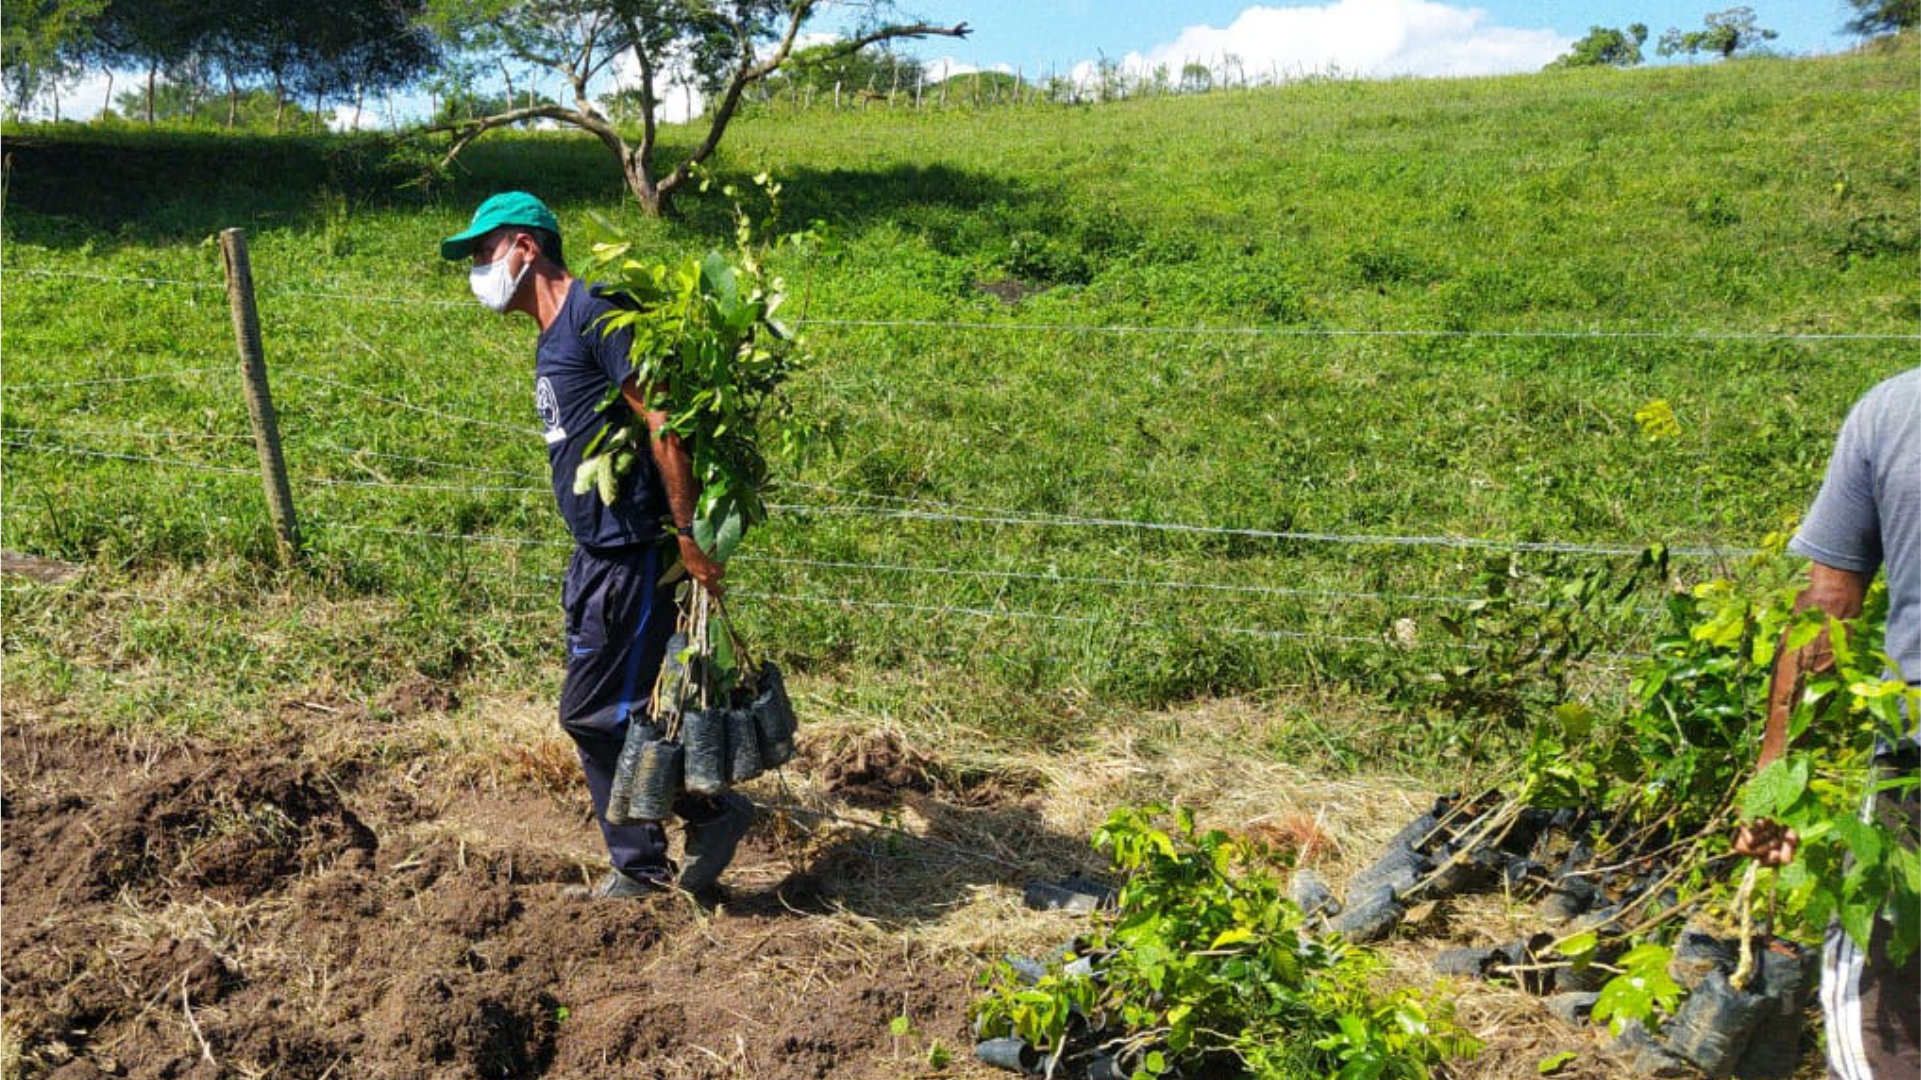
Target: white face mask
[[493, 285]]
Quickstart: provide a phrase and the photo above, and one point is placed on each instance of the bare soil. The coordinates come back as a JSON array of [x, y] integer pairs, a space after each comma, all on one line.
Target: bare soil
[[377, 891], [203, 910]]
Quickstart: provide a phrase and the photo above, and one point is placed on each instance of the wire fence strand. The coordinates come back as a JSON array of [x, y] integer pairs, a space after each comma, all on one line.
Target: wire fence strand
[[1084, 620], [1107, 582], [105, 380], [1018, 518], [126, 433], [442, 414], [407, 485], [1360, 332], [355, 452], [961, 572], [179, 463], [1112, 329], [476, 538]]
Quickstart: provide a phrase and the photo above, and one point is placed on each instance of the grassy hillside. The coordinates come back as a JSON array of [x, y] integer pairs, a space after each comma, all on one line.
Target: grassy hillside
[[1408, 309]]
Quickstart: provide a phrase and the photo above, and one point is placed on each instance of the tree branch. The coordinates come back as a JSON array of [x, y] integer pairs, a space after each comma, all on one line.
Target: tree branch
[[749, 73], [469, 130], [649, 125], [854, 45]]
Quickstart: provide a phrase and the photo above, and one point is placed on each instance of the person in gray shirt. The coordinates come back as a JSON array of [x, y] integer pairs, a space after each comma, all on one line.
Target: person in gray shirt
[[1867, 518]]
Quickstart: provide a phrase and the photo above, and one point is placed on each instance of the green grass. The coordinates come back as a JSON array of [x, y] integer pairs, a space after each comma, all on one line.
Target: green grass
[[1767, 196]]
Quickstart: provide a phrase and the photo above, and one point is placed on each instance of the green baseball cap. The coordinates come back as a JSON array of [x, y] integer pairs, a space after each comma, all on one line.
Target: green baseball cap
[[506, 208]]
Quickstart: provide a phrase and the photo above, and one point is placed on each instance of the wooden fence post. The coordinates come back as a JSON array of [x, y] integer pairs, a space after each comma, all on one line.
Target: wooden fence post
[[253, 369]]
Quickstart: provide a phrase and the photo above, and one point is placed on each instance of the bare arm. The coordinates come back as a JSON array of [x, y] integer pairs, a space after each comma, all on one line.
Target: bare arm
[[683, 491], [1839, 595]]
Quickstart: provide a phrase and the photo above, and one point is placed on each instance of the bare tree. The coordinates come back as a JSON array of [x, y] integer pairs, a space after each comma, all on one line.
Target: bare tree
[[727, 46]]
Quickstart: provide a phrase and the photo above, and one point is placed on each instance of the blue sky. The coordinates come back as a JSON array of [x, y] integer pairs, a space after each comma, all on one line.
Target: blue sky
[[1056, 35], [1354, 37]]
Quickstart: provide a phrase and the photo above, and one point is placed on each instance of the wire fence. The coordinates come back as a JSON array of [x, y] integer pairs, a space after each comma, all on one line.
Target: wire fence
[[63, 384], [984, 516], [926, 571], [1555, 547], [1115, 329], [149, 459], [438, 414], [835, 501]]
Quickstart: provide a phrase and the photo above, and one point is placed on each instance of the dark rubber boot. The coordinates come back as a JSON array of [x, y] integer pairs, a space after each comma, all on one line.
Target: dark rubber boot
[[616, 886], [711, 844]]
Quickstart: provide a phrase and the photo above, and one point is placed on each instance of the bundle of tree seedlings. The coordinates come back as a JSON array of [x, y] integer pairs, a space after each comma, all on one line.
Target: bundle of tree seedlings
[[717, 720], [1618, 828], [711, 356]]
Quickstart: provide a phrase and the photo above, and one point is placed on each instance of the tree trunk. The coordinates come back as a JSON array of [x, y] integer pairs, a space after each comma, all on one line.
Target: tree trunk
[[316, 112], [233, 101], [637, 166], [360, 98], [654, 202], [279, 102], [151, 71], [108, 107]]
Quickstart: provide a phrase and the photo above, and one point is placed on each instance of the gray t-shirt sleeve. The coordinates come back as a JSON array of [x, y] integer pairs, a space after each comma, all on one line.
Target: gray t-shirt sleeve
[[1843, 528]]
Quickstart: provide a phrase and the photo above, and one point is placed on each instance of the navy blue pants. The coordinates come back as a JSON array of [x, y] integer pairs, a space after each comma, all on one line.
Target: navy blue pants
[[619, 618]]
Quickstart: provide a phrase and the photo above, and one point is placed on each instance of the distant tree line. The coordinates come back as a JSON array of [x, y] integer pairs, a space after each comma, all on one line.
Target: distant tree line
[[1726, 34], [217, 59], [241, 62], [302, 51]]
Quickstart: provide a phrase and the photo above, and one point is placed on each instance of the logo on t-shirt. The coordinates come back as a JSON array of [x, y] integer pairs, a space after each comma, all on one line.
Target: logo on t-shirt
[[549, 408]]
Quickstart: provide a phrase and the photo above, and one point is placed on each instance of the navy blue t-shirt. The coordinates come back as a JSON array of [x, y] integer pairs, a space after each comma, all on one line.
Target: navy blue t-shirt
[[574, 364]]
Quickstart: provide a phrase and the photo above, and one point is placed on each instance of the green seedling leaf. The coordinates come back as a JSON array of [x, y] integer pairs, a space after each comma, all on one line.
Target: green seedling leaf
[[1233, 936], [1554, 1063], [1577, 720], [587, 475], [1777, 788], [1643, 988], [1580, 947], [724, 663], [729, 530], [608, 483]]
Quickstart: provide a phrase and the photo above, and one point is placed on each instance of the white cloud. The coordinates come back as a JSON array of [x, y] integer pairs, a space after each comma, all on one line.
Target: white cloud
[[81, 98], [1364, 38], [946, 68], [341, 118], [680, 99]]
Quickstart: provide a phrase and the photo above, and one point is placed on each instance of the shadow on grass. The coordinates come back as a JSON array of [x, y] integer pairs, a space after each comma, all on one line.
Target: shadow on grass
[[71, 186], [899, 879]]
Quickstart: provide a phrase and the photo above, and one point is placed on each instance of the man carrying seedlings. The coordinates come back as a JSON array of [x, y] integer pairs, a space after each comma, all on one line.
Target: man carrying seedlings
[[619, 615], [1867, 517]]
